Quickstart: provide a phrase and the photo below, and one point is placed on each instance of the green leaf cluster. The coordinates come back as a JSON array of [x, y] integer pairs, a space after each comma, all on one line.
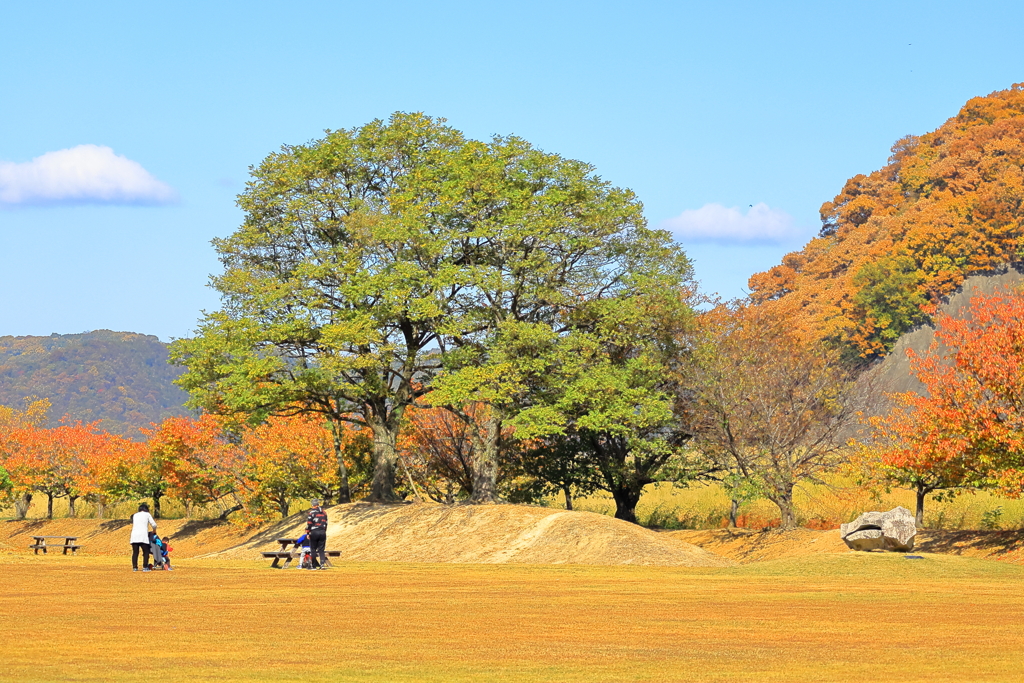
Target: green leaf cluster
[[889, 296]]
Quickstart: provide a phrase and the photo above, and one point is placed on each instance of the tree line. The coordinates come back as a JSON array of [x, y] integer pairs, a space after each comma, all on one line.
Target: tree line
[[400, 267], [408, 312]]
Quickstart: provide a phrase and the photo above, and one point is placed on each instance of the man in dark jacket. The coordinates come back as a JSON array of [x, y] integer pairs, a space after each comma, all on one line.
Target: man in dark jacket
[[316, 529]]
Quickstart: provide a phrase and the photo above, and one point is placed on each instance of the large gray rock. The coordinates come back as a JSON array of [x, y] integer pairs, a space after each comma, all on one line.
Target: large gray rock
[[893, 530], [866, 539]]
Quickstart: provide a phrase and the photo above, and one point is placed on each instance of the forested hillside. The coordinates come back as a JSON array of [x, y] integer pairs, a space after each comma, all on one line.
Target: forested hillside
[[947, 205], [121, 379]]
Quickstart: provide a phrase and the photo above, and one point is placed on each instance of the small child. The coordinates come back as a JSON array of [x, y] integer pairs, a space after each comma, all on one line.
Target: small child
[[166, 550], [304, 558]]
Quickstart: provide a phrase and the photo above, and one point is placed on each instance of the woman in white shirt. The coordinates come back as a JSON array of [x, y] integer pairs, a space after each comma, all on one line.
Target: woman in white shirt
[[141, 522]]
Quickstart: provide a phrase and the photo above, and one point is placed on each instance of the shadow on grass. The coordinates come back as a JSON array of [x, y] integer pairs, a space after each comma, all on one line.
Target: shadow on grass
[[28, 526], [955, 542], [195, 526]]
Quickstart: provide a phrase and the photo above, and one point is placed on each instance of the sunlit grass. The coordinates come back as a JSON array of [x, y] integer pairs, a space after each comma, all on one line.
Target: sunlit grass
[[849, 617]]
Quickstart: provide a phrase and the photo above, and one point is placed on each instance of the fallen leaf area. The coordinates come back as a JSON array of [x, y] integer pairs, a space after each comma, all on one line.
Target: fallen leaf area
[[493, 534]]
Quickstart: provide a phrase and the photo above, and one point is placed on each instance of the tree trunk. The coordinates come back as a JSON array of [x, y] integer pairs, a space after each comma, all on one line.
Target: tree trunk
[[22, 504], [284, 506], [784, 500], [49, 506], [385, 458], [919, 512], [568, 497], [156, 504], [626, 499], [485, 462], [101, 507], [733, 513], [344, 491], [71, 505]]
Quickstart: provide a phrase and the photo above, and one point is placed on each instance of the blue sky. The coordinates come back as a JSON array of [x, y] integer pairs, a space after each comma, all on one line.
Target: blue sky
[[126, 129]]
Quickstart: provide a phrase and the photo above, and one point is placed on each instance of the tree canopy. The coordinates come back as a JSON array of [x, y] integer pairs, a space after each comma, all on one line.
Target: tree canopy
[[373, 259], [947, 205]]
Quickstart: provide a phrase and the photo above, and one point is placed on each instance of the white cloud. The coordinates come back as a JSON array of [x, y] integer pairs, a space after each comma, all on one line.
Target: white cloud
[[86, 174], [716, 223]]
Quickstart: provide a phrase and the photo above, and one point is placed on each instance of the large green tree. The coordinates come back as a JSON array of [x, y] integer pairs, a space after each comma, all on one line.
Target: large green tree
[[373, 256], [607, 402], [555, 240], [348, 264]]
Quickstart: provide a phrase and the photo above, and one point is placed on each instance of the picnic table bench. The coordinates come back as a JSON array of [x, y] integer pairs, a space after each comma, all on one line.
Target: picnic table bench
[[68, 544], [288, 556]]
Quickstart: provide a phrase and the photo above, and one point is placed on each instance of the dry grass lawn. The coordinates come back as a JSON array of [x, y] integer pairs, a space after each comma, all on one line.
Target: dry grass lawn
[[829, 617]]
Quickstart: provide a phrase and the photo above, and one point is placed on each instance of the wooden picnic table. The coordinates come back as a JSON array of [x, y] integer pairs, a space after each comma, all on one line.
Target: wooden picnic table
[[285, 542], [68, 544], [288, 555]]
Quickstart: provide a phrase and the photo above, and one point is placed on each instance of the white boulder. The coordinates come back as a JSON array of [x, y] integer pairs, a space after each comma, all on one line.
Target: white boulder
[[893, 530]]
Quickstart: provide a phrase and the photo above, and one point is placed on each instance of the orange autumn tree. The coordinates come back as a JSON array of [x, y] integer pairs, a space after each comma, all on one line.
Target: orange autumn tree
[[439, 447], [968, 431], [947, 205], [115, 469], [62, 462], [16, 486], [196, 459], [293, 457]]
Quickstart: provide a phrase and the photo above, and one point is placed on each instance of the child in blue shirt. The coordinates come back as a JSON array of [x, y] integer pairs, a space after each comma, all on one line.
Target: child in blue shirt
[[304, 559], [165, 550]]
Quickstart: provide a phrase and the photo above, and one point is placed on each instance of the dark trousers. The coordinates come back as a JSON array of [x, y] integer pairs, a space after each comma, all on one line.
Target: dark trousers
[[317, 546], [136, 547]]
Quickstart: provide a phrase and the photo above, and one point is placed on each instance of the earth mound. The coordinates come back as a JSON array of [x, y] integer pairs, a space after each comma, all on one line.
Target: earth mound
[[485, 534]]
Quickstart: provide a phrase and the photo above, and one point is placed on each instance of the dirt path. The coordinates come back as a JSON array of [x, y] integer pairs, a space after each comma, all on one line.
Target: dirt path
[[495, 534]]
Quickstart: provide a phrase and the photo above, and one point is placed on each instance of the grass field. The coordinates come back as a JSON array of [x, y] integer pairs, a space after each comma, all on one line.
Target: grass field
[[844, 617]]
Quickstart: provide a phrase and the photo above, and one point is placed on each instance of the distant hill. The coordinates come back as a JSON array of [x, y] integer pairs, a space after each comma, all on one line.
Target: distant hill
[[122, 379], [948, 205]]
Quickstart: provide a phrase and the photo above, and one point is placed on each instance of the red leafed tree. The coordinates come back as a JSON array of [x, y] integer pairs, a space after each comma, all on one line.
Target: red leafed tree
[[968, 431], [439, 447]]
